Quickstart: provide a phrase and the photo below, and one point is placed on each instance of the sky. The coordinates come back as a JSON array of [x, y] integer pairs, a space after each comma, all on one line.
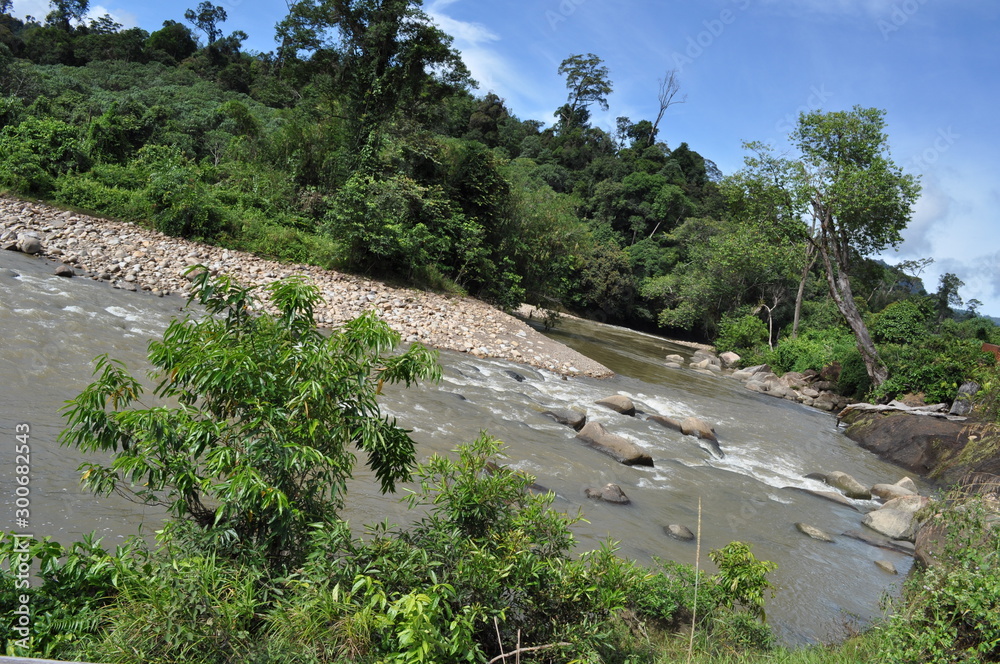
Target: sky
[[747, 68]]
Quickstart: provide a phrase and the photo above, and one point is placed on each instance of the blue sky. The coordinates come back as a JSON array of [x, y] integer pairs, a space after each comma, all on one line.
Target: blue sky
[[747, 68]]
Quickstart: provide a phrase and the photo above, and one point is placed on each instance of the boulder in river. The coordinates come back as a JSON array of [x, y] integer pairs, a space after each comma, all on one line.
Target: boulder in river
[[729, 359], [611, 493], [65, 271], [618, 403], [678, 532], [668, 422], [893, 523], [513, 374], [570, 418], [850, 486], [890, 491], [813, 532], [692, 426], [618, 448], [886, 566]]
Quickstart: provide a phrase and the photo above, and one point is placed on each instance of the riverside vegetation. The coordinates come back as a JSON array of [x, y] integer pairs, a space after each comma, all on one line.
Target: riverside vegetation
[[360, 144]]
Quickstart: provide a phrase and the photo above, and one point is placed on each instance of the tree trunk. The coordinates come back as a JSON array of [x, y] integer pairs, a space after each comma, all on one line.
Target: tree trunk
[[810, 250], [840, 291]]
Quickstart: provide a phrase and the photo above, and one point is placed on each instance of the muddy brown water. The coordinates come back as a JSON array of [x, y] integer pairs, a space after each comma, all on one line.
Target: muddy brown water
[[53, 328]]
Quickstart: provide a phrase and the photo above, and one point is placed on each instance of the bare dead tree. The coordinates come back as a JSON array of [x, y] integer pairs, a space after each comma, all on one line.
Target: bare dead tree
[[669, 87]]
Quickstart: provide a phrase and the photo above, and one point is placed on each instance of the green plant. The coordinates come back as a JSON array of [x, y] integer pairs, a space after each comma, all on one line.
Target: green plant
[[257, 447], [741, 333], [950, 611], [742, 579]]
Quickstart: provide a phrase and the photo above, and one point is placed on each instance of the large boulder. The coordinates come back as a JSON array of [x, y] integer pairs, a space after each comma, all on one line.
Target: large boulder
[[850, 486], [618, 403], [729, 359], [893, 523], [618, 448], [932, 446], [668, 422], [29, 244], [570, 418], [890, 491], [692, 426]]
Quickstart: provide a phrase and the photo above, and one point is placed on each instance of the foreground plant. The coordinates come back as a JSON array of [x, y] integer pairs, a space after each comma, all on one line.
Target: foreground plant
[[264, 410]]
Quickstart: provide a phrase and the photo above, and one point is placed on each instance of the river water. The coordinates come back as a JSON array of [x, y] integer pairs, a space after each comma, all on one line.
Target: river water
[[53, 328]]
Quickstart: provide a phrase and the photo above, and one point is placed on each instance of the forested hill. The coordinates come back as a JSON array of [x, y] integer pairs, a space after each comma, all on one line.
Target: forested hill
[[361, 143]]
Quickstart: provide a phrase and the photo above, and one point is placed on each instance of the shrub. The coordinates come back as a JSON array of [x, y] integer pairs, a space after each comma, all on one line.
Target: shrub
[[901, 322], [937, 367], [951, 612], [258, 446], [741, 333]]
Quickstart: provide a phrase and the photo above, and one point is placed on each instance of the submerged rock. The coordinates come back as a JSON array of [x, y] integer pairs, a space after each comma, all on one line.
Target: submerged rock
[[813, 532], [678, 532], [850, 486]]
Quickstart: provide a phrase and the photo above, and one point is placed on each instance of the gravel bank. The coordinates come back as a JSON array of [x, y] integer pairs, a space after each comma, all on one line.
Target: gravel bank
[[133, 258]]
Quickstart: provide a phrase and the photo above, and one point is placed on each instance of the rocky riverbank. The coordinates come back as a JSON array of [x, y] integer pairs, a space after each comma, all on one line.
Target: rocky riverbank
[[133, 258]]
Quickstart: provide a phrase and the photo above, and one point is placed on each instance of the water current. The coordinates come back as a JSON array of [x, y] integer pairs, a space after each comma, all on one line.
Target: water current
[[53, 328]]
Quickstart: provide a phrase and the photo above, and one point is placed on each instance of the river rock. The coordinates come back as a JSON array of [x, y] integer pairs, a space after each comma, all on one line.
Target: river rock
[[570, 418], [678, 532], [850, 486], [893, 523], [832, 496], [675, 358], [813, 532], [672, 365], [881, 541], [729, 359], [65, 271], [618, 403], [912, 503], [29, 244], [908, 484], [692, 426], [964, 399], [611, 493], [887, 566], [890, 491], [620, 449], [668, 422]]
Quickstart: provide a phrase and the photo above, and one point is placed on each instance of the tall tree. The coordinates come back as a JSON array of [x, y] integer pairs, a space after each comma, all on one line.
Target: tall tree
[[207, 19], [65, 12], [589, 82], [859, 200]]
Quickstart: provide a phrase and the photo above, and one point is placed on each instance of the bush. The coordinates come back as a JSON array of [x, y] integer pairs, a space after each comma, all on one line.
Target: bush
[[258, 447], [951, 612], [901, 322], [937, 367], [741, 334], [813, 349]]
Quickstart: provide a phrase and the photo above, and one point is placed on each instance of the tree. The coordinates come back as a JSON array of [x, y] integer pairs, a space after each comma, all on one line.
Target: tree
[[6, 6], [174, 40], [64, 12], [381, 55], [207, 19], [855, 198], [264, 409], [947, 296], [858, 198], [669, 87], [588, 82]]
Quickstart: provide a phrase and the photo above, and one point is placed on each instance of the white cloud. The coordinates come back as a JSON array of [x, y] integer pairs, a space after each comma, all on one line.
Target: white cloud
[[930, 214], [125, 18], [37, 8], [41, 8]]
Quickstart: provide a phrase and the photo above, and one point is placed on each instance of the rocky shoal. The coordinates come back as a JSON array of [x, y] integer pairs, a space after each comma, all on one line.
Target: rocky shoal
[[134, 258]]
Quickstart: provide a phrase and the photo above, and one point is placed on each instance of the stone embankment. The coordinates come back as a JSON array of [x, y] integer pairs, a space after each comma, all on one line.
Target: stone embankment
[[133, 258]]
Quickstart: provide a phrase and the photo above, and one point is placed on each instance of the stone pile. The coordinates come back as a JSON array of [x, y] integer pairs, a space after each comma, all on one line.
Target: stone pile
[[133, 258]]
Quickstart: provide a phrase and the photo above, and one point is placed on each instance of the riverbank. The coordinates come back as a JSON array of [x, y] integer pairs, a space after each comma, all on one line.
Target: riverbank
[[131, 257]]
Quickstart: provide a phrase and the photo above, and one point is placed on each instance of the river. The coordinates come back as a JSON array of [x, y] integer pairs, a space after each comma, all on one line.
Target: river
[[53, 328]]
